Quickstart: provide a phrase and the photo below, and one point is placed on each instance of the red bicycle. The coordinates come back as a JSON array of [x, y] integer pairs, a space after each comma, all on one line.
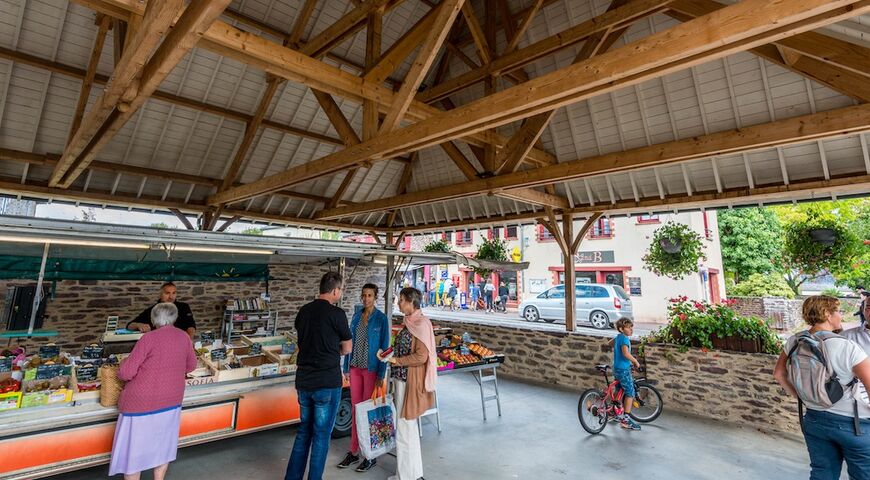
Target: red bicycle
[[596, 407]]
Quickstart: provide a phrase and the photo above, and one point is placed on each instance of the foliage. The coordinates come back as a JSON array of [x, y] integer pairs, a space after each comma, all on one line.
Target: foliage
[[437, 246], [831, 292], [674, 265], [750, 237], [758, 285], [252, 231], [859, 273], [695, 324], [491, 249], [803, 258], [160, 225]]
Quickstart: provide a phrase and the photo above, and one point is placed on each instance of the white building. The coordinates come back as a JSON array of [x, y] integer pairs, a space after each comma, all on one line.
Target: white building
[[611, 253]]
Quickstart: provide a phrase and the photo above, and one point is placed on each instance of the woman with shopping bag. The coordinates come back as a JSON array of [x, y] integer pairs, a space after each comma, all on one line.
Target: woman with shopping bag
[[413, 373]]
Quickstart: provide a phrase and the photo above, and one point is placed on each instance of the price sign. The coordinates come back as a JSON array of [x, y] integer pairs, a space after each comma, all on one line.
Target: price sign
[[45, 372], [219, 354], [463, 350], [49, 351], [86, 373], [92, 352], [288, 349], [207, 336], [6, 364], [256, 348]]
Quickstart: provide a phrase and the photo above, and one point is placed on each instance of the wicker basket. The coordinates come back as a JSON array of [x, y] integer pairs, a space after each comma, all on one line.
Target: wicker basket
[[111, 387]]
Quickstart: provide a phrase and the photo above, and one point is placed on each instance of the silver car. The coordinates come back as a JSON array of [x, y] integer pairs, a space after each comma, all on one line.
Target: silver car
[[600, 304]]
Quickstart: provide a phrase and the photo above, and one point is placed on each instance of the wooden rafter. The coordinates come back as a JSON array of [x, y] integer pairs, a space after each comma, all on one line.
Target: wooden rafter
[[524, 25], [733, 29], [780, 133], [299, 24], [104, 23], [182, 218], [447, 11], [228, 222], [477, 33], [340, 30], [114, 109], [396, 54], [521, 57]]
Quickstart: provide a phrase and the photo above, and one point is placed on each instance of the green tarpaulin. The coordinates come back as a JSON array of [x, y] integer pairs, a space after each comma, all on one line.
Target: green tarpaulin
[[13, 267]]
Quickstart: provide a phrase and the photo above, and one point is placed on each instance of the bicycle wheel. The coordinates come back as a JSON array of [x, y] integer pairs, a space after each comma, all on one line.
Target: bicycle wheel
[[592, 411], [647, 404]]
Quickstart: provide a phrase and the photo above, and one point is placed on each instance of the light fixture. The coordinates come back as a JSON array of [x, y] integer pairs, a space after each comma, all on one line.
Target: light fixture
[[63, 241], [192, 248]]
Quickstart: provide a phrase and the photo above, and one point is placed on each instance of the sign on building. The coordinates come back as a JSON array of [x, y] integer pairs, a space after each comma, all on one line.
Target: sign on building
[[634, 285], [594, 256]]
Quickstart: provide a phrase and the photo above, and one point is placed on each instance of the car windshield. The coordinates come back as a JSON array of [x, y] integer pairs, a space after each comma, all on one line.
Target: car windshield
[[620, 292]]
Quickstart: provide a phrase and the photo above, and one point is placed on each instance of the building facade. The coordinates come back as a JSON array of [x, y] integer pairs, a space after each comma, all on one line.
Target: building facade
[[611, 253]]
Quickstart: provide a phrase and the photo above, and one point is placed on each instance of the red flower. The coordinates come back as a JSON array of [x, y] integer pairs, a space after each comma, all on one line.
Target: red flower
[[682, 317]]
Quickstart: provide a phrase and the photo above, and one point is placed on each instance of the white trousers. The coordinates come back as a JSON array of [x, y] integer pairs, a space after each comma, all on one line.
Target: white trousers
[[409, 461]]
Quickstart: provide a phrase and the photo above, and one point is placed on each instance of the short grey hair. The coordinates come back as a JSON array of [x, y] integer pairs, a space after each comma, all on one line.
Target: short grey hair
[[164, 314], [412, 296]]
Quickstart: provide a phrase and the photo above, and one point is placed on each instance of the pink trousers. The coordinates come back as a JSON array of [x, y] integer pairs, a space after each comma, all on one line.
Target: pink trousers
[[362, 384]]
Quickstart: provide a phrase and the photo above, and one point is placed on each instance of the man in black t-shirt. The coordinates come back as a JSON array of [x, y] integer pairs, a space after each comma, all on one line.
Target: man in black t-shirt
[[323, 338], [168, 293]]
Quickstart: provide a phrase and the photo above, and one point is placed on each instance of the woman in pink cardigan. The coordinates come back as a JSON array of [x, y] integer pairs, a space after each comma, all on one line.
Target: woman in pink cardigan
[[146, 435]]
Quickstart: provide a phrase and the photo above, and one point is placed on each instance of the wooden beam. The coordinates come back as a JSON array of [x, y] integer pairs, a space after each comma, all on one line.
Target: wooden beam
[[371, 116], [570, 273], [341, 29], [530, 195], [336, 118], [590, 222], [396, 54], [230, 221], [836, 78], [104, 23], [183, 218], [524, 25], [300, 22], [775, 134], [447, 11], [459, 159], [155, 24], [70, 71], [483, 48], [735, 28], [519, 58]]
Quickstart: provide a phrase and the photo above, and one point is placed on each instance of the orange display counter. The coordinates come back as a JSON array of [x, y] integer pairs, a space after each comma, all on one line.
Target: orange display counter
[[43, 441]]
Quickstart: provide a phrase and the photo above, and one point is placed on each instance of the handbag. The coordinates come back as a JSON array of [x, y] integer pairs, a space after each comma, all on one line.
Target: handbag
[[376, 426], [110, 389]]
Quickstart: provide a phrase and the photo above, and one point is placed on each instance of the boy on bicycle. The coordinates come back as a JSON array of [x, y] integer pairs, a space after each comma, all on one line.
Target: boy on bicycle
[[622, 362]]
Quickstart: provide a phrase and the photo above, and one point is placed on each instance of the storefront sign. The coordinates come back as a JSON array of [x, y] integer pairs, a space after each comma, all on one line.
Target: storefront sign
[[594, 256], [92, 352], [6, 364], [191, 382], [634, 285], [86, 373], [49, 351]]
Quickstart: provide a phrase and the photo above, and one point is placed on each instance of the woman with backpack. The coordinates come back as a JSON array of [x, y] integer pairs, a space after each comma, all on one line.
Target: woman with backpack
[[826, 369]]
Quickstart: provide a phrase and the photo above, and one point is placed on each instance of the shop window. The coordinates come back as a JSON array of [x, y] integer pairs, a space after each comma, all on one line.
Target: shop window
[[511, 233], [544, 234], [601, 229], [446, 237], [464, 238], [493, 233], [648, 219]]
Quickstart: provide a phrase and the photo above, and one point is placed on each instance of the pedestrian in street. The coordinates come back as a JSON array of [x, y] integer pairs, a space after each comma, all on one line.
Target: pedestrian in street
[[421, 285], [488, 292], [323, 337], [413, 372], [862, 294], [474, 294], [451, 297], [842, 431], [439, 293], [371, 332], [503, 296]]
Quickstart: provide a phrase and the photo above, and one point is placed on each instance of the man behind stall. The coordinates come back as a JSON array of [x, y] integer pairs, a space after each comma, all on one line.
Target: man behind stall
[[168, 293]]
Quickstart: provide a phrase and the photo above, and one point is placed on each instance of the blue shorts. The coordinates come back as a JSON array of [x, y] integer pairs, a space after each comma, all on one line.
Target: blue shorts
[[626, 380]]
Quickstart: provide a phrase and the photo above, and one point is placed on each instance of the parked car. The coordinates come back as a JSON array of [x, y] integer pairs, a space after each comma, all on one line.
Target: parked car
[[600, 304]]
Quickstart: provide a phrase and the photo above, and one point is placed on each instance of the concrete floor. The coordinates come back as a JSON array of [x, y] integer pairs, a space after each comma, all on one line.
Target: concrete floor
[[538, 437]]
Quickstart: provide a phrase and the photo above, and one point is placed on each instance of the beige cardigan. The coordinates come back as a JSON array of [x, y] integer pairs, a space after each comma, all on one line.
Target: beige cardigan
[[417, 399]]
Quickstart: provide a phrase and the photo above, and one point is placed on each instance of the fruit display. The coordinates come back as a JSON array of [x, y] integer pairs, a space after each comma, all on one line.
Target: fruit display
[[10, 385], [481, 350], [444, 365], [458, 359]]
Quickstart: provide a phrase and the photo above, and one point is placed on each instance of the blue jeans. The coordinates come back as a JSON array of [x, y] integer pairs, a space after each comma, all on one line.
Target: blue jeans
[[830, 440], [317, 411]]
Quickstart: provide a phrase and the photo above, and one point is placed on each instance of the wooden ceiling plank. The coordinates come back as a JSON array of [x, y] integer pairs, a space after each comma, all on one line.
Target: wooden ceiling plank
[[155, 25], [104, 23], [447, 11], [779, 133]]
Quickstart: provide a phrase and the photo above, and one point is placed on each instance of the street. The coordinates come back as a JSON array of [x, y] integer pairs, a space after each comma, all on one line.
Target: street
[[513, 319]]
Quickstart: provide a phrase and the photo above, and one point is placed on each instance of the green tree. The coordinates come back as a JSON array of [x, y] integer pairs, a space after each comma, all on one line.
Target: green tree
[[252, 231], [762, 285], [859, 272], [160, 225], [749, 237]]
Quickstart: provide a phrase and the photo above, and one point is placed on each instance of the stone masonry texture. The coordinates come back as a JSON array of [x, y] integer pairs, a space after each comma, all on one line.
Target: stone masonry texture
[[78, 309]]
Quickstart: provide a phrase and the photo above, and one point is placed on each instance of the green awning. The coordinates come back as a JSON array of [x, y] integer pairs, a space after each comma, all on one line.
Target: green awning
[[21, 267]]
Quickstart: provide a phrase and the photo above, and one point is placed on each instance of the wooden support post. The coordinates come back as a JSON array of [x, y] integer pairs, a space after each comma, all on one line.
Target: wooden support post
[[570, 274], [389, 290]]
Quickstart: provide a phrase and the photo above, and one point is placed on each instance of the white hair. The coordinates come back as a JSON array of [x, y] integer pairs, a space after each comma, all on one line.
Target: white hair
[[164, 314]]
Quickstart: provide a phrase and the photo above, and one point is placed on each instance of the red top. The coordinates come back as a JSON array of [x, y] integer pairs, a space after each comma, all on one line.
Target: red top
[[155, 371]]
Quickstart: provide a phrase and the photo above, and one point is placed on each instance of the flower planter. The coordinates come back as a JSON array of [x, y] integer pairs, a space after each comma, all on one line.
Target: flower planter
[[749, 346], [719, 343]]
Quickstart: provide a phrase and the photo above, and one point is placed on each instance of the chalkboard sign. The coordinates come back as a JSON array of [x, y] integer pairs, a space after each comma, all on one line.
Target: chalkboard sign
[[49, 351], [288, 349], [86, 373], [256, 348], [463, 350], [207, 336], [92, 352], [45, 372], [219, 354], [6, 364]]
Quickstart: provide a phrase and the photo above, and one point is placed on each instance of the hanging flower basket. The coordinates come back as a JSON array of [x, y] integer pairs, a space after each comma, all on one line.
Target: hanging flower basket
[[437, 246], [494, 250], [675, 251]]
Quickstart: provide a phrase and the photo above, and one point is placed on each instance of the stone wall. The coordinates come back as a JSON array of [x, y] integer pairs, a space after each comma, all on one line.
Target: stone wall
[[784, 314], [78, 309], [729, 386], [726, 386]]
